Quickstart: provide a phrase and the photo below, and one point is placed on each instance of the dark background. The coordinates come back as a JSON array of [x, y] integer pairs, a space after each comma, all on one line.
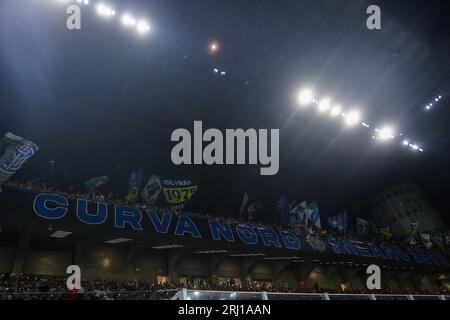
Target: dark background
[[105, 101]]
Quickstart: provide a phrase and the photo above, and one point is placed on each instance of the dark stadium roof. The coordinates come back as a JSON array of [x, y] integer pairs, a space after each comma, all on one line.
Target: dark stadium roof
[[99, 101]]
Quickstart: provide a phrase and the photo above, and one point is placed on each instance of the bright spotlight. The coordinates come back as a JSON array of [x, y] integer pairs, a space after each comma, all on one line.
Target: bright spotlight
[[305, 97], [428, 107], [86, 2], [128, 21], [406, 143], [142, 27], [352, 118], [436, 99], [415, 147], [104, 10], [386, 133], [335, 111], [324, 105], [440, 97]]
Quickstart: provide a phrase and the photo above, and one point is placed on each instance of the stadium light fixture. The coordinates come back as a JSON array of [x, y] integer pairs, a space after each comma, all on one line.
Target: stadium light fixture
[[386, 133], [105, 10], [305, 97], [335, 111], [406, 143], [352, 118], [324, 105], [128, 20], [142, 27]]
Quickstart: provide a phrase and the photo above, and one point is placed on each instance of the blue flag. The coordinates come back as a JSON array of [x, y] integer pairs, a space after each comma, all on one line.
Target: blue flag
[[339, 223]]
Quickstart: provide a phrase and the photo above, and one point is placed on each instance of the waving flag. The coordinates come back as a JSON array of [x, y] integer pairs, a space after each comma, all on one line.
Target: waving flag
[[94, 184], [339, 223], [297, 215], [151, 190], [14, 152]]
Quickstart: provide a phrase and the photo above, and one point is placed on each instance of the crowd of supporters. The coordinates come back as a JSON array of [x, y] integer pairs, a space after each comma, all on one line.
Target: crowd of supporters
[[38, 287]]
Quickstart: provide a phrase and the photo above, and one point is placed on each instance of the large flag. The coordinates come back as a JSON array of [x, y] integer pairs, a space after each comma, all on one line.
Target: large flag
[[94, 184], [414, 233], [339, 223], [151, 191], [244, 203], [362, 227], [134, 185], [297, 215], [176, 193], [14, 152]]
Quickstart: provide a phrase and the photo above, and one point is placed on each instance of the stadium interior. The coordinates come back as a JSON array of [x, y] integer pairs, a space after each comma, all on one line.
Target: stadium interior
[[87, 179]]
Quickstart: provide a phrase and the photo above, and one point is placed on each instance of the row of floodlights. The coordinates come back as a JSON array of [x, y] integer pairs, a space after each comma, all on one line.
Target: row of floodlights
[[306, 98]]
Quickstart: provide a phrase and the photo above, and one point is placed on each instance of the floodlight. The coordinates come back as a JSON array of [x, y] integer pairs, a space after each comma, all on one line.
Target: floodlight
[[324, 105], [105, 10], [352, 118], [142, 27], [335, 111], [386, 133], [128, 21], [305, 97]]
